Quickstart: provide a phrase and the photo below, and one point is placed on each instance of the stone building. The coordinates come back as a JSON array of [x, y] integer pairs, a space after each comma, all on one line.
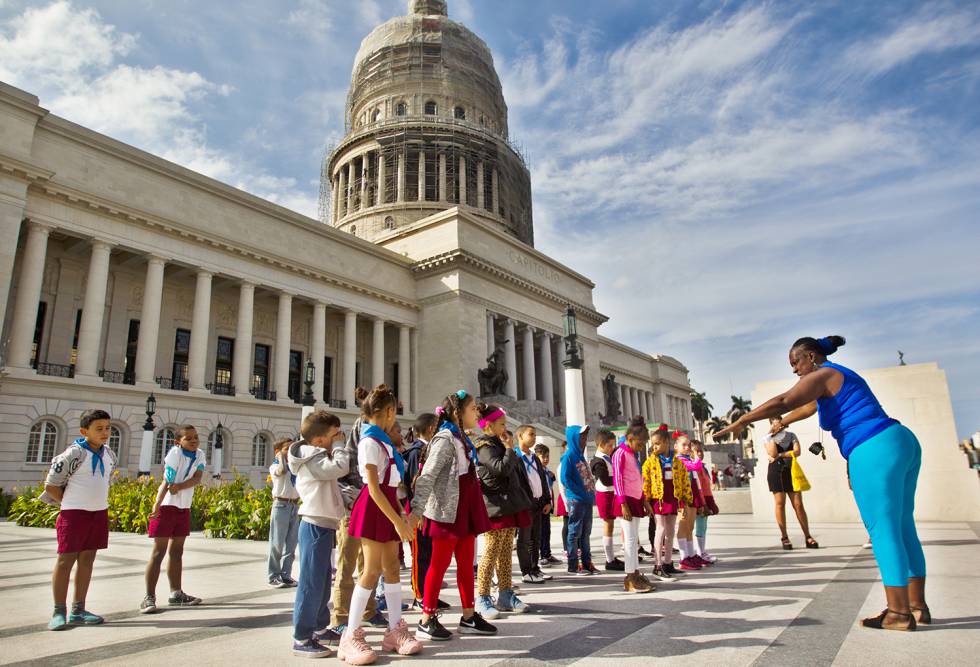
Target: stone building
[[122, 274]]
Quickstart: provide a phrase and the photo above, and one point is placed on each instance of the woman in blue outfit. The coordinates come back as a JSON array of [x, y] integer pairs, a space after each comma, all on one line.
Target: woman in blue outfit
[[883, 460]]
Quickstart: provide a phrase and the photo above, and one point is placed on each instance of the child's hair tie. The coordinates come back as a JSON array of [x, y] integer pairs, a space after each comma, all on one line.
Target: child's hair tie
[[663, 427], [676, 434], [461, 394], [440, 411]]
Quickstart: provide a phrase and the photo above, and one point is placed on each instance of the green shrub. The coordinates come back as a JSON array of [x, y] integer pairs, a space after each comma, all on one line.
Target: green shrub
[[6, 500]]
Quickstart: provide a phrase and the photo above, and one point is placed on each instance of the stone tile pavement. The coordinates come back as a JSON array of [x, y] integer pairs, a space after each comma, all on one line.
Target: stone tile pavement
[[758, 606]]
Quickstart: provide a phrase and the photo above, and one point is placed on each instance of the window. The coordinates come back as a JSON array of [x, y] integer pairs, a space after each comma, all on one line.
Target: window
[[74, 340], [430, 108], [260, 370], [42, 311], [376, 116], [132, 342], [115, 441], [182, 350], [223, 361], [327, 378], [41, 442], [260, 449], [295, 375], [165, 439], [401, 109], [459, 113], [389, 222]]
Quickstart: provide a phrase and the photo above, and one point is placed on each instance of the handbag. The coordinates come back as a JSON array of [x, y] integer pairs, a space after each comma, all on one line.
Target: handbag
[[800, 482]]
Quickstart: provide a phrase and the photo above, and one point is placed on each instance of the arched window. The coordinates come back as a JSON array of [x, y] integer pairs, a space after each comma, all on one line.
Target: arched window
[[42, 441], [376, 116], [430, 108], [260, 450], [225, 447], [389, 222], [164, 440], [115, 441], [459, 113], [401, 109]]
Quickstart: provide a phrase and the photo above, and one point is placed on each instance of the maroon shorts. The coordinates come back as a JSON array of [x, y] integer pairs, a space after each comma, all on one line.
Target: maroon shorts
[[82, 530], [605, 502], [170, 522]]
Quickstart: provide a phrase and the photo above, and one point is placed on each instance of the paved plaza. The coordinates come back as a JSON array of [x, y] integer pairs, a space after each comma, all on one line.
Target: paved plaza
[[758, 606]]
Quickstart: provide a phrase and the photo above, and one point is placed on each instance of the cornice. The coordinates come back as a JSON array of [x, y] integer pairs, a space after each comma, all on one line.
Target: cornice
[[24, 170], [619, 370]]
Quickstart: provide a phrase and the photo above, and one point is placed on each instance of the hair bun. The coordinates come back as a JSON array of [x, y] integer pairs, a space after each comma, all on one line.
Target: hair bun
[[638, 420], [831, 344], [360, 393]]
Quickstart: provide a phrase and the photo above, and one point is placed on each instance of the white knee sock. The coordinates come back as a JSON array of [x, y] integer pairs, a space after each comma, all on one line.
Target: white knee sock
[[358, 603], [682, 545], [701, 541], [607, 544], [393, 596]]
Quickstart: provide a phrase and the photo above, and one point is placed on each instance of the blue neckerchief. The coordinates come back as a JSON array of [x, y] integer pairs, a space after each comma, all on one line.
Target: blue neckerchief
[[666, 461], [292, 477], [190, 466], [529, 462], [376, 432], [97, 461], [465, 439]]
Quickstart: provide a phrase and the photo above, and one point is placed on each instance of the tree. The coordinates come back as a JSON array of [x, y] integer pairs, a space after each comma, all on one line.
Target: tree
[[740, 407], [700, 410], [716, 424]]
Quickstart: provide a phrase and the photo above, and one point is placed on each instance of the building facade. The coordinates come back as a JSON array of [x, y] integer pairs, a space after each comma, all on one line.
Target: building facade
[[122, 274]]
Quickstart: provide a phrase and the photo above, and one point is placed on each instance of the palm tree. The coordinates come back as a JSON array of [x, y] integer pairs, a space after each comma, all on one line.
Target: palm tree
[[740, 407], [716, 424], [700, 410]]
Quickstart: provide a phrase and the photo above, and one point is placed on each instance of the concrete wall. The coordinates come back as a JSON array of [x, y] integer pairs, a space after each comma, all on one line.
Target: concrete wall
[[917, 396]]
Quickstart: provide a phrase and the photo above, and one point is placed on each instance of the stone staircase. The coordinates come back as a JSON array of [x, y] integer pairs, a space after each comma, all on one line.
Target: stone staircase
[[530, 412]]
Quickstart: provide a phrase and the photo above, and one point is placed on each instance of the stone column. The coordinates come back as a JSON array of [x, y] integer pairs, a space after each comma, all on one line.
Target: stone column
[[350, 358], [510, 358], [241, 367], [625, 402], [284, 330], [318, 346], [634, 402], [491, 335], [405, 367], [341, 193], [462, 180], [378, 353], [442, 178], [547, 376], [421, 175], [11, 215], [561, 373], [365, 172], [401, 176], [530, 383], [93, 311], [495, 192], [651, 412], [350, 187], [480, 190], [149, 335], [382, 178], [197, 358], [28, 296]]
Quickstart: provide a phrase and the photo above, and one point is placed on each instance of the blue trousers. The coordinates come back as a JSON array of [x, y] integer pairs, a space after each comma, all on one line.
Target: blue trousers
[[310, 612], [579, 532], [283, 533], [884, 471]]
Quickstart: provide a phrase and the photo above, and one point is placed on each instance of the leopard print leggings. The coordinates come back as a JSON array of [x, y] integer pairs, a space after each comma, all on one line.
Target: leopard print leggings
[[498, 557]]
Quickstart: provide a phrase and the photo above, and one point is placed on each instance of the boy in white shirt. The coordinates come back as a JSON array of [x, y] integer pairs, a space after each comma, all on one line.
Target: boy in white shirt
[[529, 538], [283, 520], [79, 480], [170, 520]]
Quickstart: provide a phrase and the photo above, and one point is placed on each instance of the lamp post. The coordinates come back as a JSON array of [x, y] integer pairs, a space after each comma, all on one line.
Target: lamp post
[[309, 400], [146, 446], [219, 443], [574, 387]]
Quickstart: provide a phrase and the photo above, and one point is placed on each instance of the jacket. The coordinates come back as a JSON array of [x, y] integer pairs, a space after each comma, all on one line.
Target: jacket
[[437, 485], [413, 459], [602, 471], [576, 478], [317, 474], [627, 476], [351, 483], [653, 480], [502, 477]]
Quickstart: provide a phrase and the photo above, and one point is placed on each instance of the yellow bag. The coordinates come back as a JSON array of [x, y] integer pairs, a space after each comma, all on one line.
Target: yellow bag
[[800, 482]]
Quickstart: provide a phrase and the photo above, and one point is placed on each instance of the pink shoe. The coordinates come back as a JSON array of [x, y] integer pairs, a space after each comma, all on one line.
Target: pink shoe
[[690, 565], [700, 561], [354, 650], [400, 640]]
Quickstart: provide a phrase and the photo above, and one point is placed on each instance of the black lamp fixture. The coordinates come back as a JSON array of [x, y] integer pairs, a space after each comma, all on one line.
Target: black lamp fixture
[[151, 408], [309, 377], [570, 325]]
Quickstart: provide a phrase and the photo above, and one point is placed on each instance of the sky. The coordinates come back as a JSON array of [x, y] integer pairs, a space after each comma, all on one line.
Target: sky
[[732, 175]]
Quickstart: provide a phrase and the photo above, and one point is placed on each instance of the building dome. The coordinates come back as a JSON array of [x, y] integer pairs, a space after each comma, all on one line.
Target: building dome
[[426, 129]]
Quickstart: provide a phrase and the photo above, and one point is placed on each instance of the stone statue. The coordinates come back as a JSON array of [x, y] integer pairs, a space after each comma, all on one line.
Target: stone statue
[[493, 378], [610, 391], [901, 358]]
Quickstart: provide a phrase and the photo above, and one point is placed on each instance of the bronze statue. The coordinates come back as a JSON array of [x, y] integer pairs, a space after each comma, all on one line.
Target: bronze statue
[[610, 391], [493, 378]]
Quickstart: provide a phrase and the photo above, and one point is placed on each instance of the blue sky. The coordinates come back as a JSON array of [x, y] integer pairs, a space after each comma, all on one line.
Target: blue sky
[[732, 175]]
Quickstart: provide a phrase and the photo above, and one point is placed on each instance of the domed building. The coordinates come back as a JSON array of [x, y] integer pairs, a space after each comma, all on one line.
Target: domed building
[[124, 277]]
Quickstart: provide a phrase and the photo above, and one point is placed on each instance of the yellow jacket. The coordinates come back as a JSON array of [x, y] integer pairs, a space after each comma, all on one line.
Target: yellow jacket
[[653, 480]]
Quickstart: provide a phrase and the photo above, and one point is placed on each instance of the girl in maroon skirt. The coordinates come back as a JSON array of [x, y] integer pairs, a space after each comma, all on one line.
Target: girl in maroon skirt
[[664, 482], [378, 520], [449, 504]]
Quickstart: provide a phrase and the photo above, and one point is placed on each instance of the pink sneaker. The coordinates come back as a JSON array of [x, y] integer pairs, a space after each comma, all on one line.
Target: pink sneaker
[[700, 561], [689, 564], [400, 640], [354, 650]]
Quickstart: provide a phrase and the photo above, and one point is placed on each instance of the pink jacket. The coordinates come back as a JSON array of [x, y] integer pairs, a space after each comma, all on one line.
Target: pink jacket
[[627, 477]]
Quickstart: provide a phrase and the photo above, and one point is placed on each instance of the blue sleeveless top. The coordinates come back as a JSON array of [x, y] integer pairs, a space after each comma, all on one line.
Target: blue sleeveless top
[[853, 415]]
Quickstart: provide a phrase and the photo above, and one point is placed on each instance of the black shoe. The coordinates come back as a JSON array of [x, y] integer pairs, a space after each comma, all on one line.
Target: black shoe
[[443, 605], [327, 637], [671, 570], [644, 552], [433, 630], [476, 625], [615, 565]]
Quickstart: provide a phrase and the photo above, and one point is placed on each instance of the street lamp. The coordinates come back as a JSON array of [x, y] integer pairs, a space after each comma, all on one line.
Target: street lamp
[[146, 446], [309, 400], [574, 387], [219, 443]]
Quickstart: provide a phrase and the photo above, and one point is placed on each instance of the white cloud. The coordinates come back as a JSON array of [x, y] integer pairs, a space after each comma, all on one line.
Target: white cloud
[[313, 18]]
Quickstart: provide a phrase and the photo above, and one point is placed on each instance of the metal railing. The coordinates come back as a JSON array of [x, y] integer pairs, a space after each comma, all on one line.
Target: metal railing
[[337, 403], [56, 370], [221, 388], [177, 384], [263, 394], [116, 377]]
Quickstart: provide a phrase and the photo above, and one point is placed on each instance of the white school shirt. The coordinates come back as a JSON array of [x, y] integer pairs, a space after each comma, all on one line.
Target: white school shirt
[[379, 455], [532, 475], [179, 468], [87, 489]]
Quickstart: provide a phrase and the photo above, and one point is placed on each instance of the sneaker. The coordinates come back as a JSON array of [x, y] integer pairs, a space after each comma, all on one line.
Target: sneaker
[[289, 582], [58, 621], [688, 565], [708, 558], [433, 630], [583, 572], [508, 601], [311, 648], [475, 625], [541, 575], [418, 604], [550, 560], [644, 552], [592, 568], [634, 583], [276, 582], [672, 571], [645, 581], [354, 650], [400, 639], [149, 605], [378, 620], [866, 545], [532, 579], [486, 607], [328, 636], [85, 617], [661, 575], [615, 565], [697, 560], [182, 599]]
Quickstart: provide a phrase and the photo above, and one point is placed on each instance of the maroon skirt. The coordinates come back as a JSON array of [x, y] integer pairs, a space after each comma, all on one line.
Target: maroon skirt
[[636, 507], [709, 502], [368, 522], [605, 501], [520, 520], [471, 513], [668, 504]]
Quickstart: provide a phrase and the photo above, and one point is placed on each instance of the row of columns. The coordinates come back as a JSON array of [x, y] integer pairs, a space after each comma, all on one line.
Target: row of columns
[[345, 201], [93, 314], [546, 392], [635, 402]]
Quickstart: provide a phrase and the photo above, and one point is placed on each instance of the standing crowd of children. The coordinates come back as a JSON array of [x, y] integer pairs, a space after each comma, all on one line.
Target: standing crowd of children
[[350, 505]]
